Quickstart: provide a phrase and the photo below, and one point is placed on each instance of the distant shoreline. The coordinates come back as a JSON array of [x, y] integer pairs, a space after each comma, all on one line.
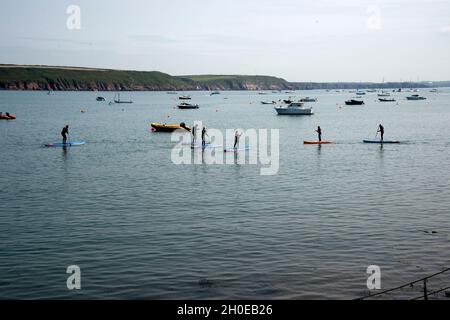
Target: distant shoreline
[[68, 78]]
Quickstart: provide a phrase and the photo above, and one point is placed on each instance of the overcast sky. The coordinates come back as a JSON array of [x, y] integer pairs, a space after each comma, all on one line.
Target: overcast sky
[[321, 40]]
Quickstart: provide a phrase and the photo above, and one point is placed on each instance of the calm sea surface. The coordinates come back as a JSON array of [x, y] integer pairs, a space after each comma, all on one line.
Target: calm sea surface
[[142, 227]]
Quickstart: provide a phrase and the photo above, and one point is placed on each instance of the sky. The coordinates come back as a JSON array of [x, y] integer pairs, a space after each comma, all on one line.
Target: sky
[[321, 40]]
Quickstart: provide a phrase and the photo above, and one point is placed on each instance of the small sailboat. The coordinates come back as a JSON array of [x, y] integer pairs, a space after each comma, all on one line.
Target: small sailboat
[[121, 101]]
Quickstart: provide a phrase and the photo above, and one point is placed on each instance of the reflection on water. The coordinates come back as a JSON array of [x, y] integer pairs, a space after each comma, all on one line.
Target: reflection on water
[[141, 227]]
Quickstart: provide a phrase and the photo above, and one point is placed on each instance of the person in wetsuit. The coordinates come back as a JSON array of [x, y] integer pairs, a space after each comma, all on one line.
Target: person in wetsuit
[[381, 131], [204, 134], [194, 134], [319, 132], [64, 133], [236, 139]]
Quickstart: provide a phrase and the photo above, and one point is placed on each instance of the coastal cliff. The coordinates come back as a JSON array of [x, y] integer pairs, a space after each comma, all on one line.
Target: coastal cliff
[[83, 79], [18, 77]]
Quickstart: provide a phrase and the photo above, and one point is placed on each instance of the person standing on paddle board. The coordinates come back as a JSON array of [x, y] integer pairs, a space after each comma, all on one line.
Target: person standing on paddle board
[[319, 132], [194, 134], [237, 136], [64, 133], [381, 131], [204, 134]]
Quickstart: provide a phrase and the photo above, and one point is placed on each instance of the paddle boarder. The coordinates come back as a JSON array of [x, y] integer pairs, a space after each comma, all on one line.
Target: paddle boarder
[[204, 134], [319, 132], [194, 134], [64, 133], [381, 131], [237, 136]]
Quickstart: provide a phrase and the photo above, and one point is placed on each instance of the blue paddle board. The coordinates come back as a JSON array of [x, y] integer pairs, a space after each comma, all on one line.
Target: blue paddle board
[[190, 143], [63, 145], [207, 146], [237, 149], [381, 142]]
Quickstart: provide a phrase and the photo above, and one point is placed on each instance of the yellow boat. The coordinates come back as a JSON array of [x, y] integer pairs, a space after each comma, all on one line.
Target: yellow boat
[[169, 127]]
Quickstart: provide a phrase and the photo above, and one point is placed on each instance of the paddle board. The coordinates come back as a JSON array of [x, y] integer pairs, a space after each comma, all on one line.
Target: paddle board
[[190, 143], [207, 146], [381, 142], [317, 142], [237, 149], [68, 144]]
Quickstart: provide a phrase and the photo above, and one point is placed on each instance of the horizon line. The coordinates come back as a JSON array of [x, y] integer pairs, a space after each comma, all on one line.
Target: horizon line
[[79, 68]]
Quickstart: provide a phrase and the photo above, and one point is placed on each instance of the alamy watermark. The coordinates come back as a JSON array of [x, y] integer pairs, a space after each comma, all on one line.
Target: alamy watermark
[[374, 280], [373, 21], [251, 146], [74, 280], [74, 19]]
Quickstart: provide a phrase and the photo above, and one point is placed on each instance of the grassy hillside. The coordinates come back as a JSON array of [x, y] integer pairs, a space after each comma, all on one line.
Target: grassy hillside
[[237, 82], [73, 78], [86, 79], [13, 77]]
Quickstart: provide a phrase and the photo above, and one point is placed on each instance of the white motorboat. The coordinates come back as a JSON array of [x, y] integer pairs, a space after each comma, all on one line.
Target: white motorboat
[[295, 108]]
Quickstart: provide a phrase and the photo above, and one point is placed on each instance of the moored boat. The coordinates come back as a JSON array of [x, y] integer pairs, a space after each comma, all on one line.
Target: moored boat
[[308, 99], [188, 106], [386, 100], [268, 102], [7, 116], [295, 108], [353, 102], [416, 97], [100, 99], [184, 97], [159, 127], [121, 101]]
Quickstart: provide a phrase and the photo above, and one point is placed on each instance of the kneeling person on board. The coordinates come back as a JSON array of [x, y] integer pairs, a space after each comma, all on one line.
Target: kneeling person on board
[[64, 133], [319, 132], [381, 131]]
